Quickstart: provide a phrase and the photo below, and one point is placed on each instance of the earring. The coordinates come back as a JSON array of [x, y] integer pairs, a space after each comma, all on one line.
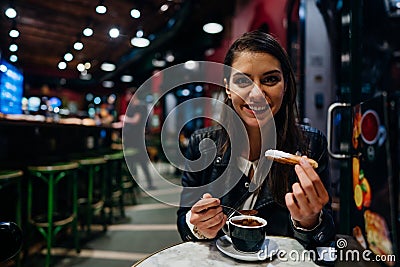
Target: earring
[[227, 91]]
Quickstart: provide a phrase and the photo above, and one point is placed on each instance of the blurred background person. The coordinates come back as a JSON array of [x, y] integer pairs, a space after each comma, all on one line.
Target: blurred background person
[[135, 122]]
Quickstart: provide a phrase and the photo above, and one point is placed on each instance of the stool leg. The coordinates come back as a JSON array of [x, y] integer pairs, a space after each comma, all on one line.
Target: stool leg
[[103, 196], [109, 191], [29, 233], [90, 199], [18, 215], [75, 211], [120, 185], [50, 205]]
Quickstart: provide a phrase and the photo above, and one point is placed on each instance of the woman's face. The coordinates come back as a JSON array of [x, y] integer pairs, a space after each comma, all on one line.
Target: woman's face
[[256, 81]]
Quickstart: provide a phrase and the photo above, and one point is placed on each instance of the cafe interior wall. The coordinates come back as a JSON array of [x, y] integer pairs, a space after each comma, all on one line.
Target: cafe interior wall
[[251, 15]]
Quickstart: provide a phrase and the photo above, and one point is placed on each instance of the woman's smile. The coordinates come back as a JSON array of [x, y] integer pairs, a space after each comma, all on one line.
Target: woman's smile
[[255, 109]]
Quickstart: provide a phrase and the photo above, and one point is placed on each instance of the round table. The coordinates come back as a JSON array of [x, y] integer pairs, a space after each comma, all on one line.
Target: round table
[[207, 254]]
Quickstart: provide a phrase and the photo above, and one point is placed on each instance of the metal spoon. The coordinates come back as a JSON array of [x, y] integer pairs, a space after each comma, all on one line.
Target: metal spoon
[[225, 228], [241, 212]]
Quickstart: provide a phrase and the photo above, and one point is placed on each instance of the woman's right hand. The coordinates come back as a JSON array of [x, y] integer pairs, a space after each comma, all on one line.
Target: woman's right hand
[[207, 216]]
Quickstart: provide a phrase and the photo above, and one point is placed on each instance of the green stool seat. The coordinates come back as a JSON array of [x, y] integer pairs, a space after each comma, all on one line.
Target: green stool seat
[[92, 166], [9, 174], [14, 177], [53, 221]]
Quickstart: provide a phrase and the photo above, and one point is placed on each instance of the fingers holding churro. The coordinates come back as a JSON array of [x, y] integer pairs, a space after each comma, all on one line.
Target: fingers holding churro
[[287, 158]]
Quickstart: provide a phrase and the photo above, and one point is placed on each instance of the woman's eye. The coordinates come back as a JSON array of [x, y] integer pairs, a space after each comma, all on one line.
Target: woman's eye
[[271, 80], [242, 81]]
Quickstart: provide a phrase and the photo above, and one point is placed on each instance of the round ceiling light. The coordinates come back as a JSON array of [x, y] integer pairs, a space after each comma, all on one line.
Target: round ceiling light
[[108, 84], [106, 66], [140, 42], [88, 32], [135, 13], [68, 57], [101, 9], [191, 65], [13, 47], [78, 45], [114, 33], [158, 63], [126, 78], [62, 65], [86, 76], [14, 33], [13, 58], [11, 13], [80, 67], [212, 28]]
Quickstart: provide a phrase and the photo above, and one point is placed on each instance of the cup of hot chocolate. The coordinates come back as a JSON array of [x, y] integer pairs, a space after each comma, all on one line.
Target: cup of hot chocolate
[[247, 233]]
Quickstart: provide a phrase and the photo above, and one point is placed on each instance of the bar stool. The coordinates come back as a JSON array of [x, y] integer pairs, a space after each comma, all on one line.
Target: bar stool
[[93, 200], [114, 183], [51, 223], [8, 178]]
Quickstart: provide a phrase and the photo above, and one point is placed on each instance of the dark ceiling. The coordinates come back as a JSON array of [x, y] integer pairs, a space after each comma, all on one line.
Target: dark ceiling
[[48, 29]]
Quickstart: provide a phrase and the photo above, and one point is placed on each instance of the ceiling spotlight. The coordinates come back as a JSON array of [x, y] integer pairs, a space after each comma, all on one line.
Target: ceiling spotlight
[[86, 76], [106, 66], [3, 68], [108, 84], [88, 32], [126, 78], [139, 33], [158, 63], [10, 13], [114, 33], [14, 33], [209, 52], [101, 8], [212, 28], [13, 58], [78, 45], [97, 100], [169, 56], [13, 47], [80, 67], [185, 92], [164, 8], [88, 65], [62, 65], [68, 57], [191, 65], [140, 42], [135, 13]]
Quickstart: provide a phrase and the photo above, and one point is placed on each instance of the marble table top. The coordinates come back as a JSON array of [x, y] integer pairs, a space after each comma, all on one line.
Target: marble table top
[[195, 254]]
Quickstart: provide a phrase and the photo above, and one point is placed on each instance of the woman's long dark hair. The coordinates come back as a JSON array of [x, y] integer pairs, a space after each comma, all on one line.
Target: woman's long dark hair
[[287, 131]]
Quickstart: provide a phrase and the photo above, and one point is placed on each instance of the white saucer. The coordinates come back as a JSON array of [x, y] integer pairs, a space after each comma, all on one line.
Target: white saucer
[[270, 248]]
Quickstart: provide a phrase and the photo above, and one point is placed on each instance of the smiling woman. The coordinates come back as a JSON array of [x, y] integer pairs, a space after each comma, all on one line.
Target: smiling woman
[[260, 87]]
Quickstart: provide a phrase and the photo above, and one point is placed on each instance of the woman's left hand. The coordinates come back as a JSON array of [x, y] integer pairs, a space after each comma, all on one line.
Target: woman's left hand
[[308, 196]]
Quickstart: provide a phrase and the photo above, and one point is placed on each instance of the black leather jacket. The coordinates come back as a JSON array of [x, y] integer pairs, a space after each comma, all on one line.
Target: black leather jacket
[[278, 217]]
